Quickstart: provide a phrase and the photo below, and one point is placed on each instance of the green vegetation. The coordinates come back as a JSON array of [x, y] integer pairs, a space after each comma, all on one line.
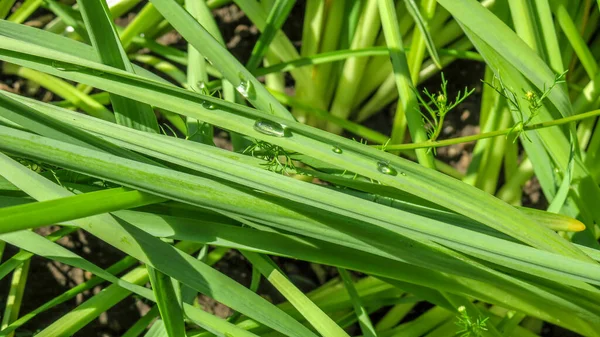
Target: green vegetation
[[111, 132]]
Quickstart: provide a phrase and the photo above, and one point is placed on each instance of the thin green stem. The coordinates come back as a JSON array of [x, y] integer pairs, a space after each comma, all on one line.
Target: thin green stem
[[466, 139], [339, 55]]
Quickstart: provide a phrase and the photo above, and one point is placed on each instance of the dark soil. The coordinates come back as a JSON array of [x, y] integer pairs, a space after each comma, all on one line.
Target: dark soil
[[49, 279]]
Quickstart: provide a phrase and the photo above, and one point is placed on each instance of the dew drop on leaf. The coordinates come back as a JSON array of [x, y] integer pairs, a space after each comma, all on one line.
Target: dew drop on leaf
[[385, 168], [201, 86], [208, 105], [245, 88], [270, 128], [65, 66], [58, 66], [337, 150]]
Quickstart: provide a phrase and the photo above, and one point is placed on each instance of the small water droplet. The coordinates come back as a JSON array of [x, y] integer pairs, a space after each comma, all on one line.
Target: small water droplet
[[385, 168], [245, 88], [201, 86], [142, 35], [208, 105], [270, 128], [69, 29], [403, 173], [337, 150], [64, 66]]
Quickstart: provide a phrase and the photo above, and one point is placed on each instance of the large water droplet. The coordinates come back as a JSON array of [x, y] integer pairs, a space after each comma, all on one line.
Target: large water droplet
[[270, 128], [385, 168], [208, 105], [337, 150], [245, 88], [69, 29]]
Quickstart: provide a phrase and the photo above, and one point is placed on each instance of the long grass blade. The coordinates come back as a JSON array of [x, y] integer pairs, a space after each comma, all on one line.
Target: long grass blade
[[108, 47]]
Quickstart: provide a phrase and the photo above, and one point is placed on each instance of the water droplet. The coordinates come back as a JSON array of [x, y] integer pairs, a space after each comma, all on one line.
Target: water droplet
[[64, 66], [201, 86], [403, 173], [385, 168], [69, 29], [270, 128], [245, 88], [208, 105], [337, 150], [142, 35]]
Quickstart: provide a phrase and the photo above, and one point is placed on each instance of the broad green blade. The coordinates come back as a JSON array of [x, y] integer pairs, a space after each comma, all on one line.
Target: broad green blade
[[315, 316], [363, 318], [168, 303], [71, 208]]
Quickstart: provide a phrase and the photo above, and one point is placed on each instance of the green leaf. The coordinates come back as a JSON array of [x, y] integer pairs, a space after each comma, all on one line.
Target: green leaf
[[71, 208], [363, 318], [168, 303], [422, 25], [108, 47], [408, 100], [277, 16], [319, 320]]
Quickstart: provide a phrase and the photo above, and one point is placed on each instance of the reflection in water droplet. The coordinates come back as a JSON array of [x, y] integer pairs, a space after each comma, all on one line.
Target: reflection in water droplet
[[385, 168], [245, 88], [337, 150], [270, 128], [208, 105]]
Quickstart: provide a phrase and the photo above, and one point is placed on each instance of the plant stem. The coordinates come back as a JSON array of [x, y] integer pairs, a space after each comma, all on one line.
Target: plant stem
[[452, 141]]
